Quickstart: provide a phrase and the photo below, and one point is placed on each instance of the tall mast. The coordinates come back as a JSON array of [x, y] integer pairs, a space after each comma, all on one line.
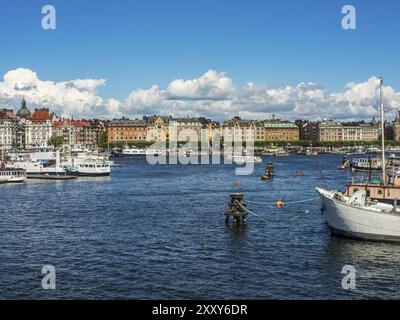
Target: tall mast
[[382, 133]]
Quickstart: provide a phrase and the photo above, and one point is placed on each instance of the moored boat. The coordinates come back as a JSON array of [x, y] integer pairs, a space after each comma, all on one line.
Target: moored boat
[[12, 175], [90, 168], [366, 164], [238, 159], [369, 210], [360, 217]]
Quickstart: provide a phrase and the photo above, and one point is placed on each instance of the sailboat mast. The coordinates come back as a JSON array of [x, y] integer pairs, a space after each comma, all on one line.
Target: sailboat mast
[[382, 133]]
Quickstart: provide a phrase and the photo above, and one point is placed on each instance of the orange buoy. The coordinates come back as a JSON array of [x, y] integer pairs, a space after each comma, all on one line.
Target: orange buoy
[[237, 184], [299, 174], [279, 204]]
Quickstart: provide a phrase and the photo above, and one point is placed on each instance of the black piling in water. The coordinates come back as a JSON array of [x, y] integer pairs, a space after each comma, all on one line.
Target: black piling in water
[[236, 209]]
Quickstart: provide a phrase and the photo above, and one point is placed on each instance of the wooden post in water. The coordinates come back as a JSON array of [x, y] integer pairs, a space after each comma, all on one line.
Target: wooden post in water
[[236, 209]]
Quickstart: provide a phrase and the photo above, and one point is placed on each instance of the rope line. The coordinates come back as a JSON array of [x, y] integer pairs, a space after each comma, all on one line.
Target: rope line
[[247, 210], [286, 202]]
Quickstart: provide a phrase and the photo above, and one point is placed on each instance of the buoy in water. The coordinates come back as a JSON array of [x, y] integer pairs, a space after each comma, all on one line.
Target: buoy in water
[[299, 174], [279, 203], [237, 184]]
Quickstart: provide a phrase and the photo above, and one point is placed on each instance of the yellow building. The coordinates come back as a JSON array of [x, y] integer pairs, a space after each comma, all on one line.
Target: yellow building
[[125, 130], [238, 129], [356, 131], [157, 128], [281, 131], [330, 131]]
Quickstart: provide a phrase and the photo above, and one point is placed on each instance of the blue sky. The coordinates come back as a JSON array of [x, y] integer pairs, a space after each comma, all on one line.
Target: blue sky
[[134, 44]]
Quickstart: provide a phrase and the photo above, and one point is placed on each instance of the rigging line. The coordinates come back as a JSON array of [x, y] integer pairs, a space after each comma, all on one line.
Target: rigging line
[[253, 213], [247, 210], [286, 202]]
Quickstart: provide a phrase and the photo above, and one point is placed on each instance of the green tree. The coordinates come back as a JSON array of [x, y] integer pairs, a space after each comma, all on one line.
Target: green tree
[[56, 141], [103, 141]]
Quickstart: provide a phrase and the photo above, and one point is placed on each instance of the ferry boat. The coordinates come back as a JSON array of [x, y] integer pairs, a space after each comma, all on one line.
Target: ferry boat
[[90, 168], [12, 175], [367, 211], [40, 167]]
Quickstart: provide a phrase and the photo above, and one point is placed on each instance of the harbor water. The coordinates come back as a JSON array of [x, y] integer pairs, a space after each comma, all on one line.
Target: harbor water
[[158, 232]]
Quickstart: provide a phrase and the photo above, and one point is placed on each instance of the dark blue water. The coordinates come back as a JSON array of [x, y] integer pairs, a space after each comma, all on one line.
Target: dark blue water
[[158, 232]]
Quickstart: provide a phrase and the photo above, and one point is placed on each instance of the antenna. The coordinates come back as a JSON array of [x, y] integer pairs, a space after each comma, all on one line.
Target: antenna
[[382, 132]]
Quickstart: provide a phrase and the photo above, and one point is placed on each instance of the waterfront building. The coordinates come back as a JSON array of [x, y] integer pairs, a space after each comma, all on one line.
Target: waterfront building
[[157, 128], [261, 131], [126, 130], [308, 130], [10, 137], [183, 129], [281, 131], [78, 134], [23, 113], [38, 128], [238, 129], [395, 128], [211, 128], [330, 130], [360, 131], [351, 131]]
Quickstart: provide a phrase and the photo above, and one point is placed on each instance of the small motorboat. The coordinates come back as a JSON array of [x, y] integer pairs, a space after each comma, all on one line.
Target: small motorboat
[[269, 171], [345, 164], [244, 159]]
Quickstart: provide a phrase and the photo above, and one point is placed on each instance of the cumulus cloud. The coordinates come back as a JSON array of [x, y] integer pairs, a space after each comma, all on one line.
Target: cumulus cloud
[[213, 95], [210, 86], [71, 98]]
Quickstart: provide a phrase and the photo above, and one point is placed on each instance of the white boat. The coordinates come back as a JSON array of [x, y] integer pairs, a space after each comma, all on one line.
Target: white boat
[[40, 167], [359, 217], [244, 159], [365, 211], [89, 168], [311, 152], [12, 175], [274, 152], [356, 151], [132, 152], [366, 164], [373, 150]]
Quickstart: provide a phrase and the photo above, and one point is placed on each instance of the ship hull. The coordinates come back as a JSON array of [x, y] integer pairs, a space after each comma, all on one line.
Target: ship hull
[[358, 223]]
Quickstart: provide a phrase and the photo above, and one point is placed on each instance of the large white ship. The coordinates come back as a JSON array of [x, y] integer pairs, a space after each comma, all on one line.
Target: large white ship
[[369, 210]]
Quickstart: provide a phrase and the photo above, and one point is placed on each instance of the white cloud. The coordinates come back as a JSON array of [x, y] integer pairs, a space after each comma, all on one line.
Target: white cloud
[[71, 98], [213, 95], [211, 85]]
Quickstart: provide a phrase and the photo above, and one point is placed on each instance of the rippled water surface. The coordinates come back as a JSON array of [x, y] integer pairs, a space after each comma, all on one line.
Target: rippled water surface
[[158, 232]]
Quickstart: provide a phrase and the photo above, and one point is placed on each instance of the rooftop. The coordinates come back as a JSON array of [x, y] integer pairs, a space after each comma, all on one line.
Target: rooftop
[[42, 114], [280, 125], [117, 122]]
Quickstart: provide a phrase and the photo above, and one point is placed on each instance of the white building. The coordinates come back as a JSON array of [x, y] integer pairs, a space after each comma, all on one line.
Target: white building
[[38, 128], [8, 130]]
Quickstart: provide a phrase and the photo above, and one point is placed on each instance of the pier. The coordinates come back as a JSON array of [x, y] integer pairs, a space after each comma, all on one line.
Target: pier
[[50, 177]]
